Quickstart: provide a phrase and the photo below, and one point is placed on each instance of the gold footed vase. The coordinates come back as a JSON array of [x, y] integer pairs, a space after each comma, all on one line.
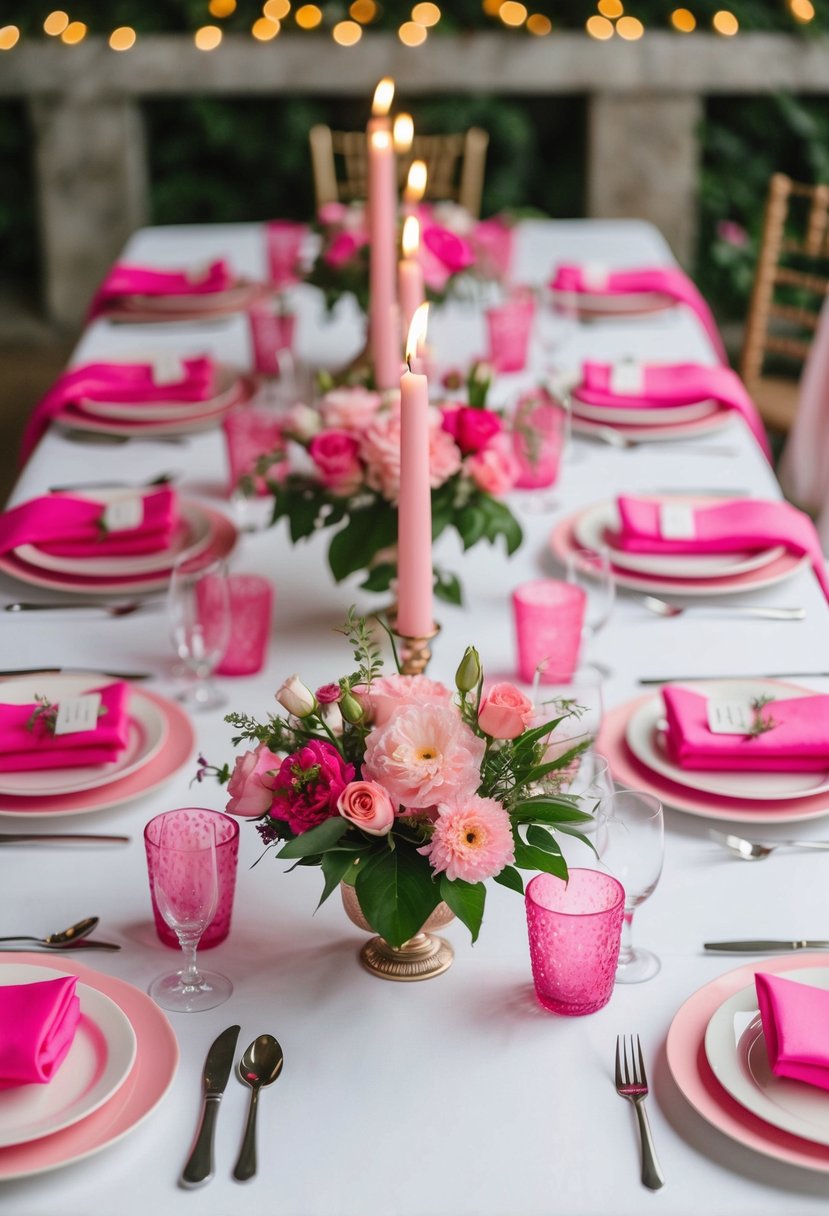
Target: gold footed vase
[[422, 957]]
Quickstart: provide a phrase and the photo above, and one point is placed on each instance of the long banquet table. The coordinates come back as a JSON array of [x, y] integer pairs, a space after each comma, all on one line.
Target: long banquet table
[[458, 1096]]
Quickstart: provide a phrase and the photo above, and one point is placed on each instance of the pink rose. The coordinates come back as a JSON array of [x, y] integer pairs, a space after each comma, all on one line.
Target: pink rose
[[732, 233], [452, 250], [335, 455], [494, 470], [423, 755], [387, 694], [367, 805], [327, 694], [444, 458], [349, 409], [251, 783], [471, 429], [344, 248], [308, 784], [380, 449], [332, 213], [505, 713]]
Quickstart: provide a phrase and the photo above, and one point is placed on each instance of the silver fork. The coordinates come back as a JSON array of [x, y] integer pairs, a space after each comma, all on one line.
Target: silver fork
[[632, 1083]]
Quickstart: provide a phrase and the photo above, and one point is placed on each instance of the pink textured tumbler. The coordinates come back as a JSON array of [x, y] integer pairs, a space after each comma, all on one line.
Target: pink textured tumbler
[[283, 239], [251, 607], [188, 829], [250, 432], [549, 617], [575, 928], [539, 433], [271, 331], [509, 327]]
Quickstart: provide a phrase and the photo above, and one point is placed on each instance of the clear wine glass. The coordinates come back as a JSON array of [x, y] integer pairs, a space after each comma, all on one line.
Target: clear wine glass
[[181, 847], [630, 844], [591, 569], [199, 610]]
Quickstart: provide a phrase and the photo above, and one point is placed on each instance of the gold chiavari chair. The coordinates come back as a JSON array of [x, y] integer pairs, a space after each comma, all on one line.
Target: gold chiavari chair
[[790, 284]]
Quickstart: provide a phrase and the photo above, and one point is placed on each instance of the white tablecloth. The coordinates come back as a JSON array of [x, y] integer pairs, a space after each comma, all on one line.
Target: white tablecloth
[[457, 1096]]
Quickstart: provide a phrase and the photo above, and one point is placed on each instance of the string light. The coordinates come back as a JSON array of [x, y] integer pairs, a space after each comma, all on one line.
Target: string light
[[802, 10], [725, 23], [539, 25], [308, 16], [221, 8], [629, 28], [74, 33], [599, 27], [208, 37], [512, 13], [683, 19], [347, 33], [491, 7], [56, 23], [263, 29], [276, 10], [610, 8], [412, 34], [123, 38], [426, 14], [363, 11], [9, 37]]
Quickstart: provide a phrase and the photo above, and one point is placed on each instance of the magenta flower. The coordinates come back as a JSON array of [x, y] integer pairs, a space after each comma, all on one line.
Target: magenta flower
[[472, 429], [327, 694], [308, 784]]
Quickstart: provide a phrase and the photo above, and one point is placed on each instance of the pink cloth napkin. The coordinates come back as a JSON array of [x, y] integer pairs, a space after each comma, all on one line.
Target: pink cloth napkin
[[668, 280], [728, 527], [117, 382], [667, 385], [37, 1028], [24, 750], [795, 1017], [70, 526], [125, 280], [798, 743]]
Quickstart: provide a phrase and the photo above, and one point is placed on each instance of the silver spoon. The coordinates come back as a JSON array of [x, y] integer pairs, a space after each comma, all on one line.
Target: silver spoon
[[663, 608], [82, 929], [125, 608], [755, 850], [616, 439], [260, 1065]]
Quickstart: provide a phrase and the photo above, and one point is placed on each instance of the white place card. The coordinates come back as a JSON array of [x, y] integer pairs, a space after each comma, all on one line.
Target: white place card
[[729, 717], [676, 521], [123, 514], [168, 368], [594, 275], [76, 714], [627, 379]]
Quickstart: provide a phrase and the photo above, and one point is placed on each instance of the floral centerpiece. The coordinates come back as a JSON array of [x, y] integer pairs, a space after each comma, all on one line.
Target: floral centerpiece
[[345, 475], [410, 792]]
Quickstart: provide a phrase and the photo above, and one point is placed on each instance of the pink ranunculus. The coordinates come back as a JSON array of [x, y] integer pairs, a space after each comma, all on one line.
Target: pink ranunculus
[[380, 449], [495, 470], [505, 713], [387, 694], [472, 839], [367, 805], [332, 213], [344, 248], [444, 457], [452, 250], [335, 455], [349, 409], [422, 754], [308, 784], [471, 429], [327, 694], [251, 783]]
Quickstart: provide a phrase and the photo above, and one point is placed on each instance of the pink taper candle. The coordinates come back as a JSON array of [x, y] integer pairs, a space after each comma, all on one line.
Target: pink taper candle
[[414, 526], [410, 286], [382, 227]]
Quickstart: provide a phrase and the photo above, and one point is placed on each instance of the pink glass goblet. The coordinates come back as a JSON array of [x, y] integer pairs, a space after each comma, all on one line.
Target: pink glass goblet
[[251, 608], [549, 617], [540, 427]]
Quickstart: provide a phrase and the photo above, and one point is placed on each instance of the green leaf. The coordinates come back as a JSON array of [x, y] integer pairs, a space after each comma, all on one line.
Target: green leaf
[[509, 877], [579, 836], [528, 857], [466, 900], [334, 866], [470, 525], [379, 577], [396, 893], [316, 840], [542, 839], [548, 810], [368, 530], [448, 587]]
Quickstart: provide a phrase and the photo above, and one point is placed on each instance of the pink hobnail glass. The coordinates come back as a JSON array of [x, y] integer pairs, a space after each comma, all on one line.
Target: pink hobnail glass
[[549, 618], [539, 434], [272, 331], [193, 826], [250, 432], [283, 240], [509, 326], [575, 928], [251, 607]]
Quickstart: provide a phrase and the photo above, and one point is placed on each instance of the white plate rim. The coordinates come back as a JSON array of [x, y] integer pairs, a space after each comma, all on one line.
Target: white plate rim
[[612, 302], [642, 415], [227, 382], [661, 432], [110, 1021]]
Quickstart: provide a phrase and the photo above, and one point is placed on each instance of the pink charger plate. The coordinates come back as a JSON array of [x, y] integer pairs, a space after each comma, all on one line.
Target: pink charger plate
[[696, 1082], [659, 430], [151, 1076], [81, 420], [225, 535], [563, 543], [599, 306], [173, 755], [136, 308], [630, 771]]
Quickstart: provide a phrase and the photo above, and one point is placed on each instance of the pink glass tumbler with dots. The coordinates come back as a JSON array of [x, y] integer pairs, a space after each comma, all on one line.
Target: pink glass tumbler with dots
[[575, 928], [539, 435], [549, 618], [189, 826], [284, 240], [251, 608], [271, 331], [250, 432], [508, 327]]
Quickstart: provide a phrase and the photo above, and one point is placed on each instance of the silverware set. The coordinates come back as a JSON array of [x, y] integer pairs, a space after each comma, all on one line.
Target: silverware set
[[632, 1083], [124, 608], [76, 937], [665, 609], [259, 1066], [756, 850]]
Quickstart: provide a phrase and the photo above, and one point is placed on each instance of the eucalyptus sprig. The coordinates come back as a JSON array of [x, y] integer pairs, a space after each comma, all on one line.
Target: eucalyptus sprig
[[762, 722]]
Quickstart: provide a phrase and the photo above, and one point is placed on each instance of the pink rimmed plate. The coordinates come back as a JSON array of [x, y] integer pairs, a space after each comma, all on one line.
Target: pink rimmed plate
[[202, 420], [149, 1079], [639, 412], [697, 1083], [659, 431], [595, 305], [227, 391], [190, 306]]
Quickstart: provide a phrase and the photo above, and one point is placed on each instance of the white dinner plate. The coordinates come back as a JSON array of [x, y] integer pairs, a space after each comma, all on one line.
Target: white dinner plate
[[232, 298], [596, 527], [96, 1065], [191, 537], [740, 1062], [147, 733], [227, 390], [619, 304], [642, 415], [644, 738]]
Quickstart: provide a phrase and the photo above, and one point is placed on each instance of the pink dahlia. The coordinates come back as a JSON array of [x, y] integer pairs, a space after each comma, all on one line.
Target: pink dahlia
[[308, 784], [472, 839], [423, 754], [389, 693]]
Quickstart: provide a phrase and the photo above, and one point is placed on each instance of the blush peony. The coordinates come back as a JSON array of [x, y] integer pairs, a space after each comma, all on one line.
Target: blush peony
[[251, 783], [472, 839], [308, 784], [422, 754], [494, 470], [349, 409], [380, 449], [367, 805], [387, 694]]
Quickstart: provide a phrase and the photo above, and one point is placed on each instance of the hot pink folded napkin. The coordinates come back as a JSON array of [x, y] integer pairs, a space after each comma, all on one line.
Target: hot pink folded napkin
[[117, 382], [667, 280], [667, 385], [797, 743], [795, 1017], [70, 526], [37, 1028], [28, 748], [125, 280], [728, 527]]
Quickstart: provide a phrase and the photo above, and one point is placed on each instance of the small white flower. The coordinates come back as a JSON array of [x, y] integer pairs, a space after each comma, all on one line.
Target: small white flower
[[332, 718], [296, 697], [304, 422]]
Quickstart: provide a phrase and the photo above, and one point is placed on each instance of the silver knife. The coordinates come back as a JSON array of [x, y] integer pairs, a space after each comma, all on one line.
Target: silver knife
[[59, 838], [217, 1066], [763, 947], [47, 671]]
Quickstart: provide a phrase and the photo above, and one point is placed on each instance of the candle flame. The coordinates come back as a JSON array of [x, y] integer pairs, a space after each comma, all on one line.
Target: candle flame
[[403, 133], [380, 139], [411, 236], [417, 332], [383, 97], [416, 182]]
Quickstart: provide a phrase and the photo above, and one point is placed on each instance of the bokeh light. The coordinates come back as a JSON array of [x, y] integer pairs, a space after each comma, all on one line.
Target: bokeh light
[[123, 38], [539, 25], [346, 33], [610, 8], [9, 37], [629, 28], [263, 29], [426, 14], [412, 34], [725, 23], [56, 23], [363, 11], [802, 10], [599, 27], [683, 19], [74, 33], [276, 10], [308, 16], [208, 37], [512, 13], [221, 8]]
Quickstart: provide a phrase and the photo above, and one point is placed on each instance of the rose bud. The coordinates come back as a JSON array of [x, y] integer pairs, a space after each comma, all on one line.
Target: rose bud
[[469, 671], [351, 709], [296, 698]]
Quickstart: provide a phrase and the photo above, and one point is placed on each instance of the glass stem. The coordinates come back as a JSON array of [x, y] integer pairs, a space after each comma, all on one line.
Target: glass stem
[[190, 977], [626, 951]]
